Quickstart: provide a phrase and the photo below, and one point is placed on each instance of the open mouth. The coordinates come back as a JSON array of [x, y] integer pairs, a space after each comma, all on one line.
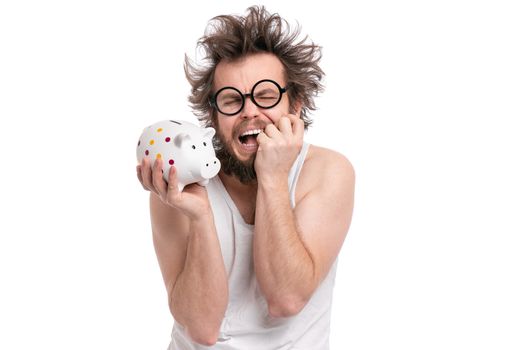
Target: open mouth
[[249, 138]]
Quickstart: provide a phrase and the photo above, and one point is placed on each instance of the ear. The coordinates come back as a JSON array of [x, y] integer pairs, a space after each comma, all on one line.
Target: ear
[[297, 108], [209, 132], [181, 138]]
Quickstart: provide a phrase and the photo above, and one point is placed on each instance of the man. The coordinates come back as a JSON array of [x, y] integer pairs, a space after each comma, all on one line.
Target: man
[[249, 260]]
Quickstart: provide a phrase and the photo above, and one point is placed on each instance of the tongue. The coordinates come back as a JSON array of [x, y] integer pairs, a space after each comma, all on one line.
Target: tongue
[[251, 140]]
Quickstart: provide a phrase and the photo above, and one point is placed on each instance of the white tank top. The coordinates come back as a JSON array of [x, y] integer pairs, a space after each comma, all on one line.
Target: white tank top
[[247, 324]]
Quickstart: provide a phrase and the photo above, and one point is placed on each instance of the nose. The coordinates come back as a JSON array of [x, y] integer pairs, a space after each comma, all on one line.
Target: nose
[[210, 167], [250, 109]]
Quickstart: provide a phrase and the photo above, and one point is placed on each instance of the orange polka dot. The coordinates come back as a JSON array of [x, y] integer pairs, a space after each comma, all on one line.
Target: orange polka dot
[[158, 156], [159, 130], [152, 142]]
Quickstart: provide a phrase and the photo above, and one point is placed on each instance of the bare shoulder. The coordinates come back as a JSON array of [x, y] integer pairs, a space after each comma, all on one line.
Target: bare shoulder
[[325, 169]]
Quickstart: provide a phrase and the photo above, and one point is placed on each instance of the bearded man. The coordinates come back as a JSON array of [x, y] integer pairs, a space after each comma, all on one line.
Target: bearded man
[[249, 261]]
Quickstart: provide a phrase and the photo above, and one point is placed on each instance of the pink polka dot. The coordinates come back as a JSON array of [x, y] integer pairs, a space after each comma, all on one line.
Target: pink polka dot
[[168, 139], [171, 162]]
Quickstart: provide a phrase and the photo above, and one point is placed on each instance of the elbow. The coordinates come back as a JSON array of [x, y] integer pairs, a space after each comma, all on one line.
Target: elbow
[[202, 337], [209, 340], [285, 306]]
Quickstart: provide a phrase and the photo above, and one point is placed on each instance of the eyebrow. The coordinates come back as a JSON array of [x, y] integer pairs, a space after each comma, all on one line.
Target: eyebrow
[[230, 94], [214, 91], [266, 90]]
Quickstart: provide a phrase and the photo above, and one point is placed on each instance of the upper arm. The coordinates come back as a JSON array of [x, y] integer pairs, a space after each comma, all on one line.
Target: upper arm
[[323, 213], [170, 235]]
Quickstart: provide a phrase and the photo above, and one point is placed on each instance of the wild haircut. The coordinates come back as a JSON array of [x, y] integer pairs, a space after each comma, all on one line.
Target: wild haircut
[[230, 37]]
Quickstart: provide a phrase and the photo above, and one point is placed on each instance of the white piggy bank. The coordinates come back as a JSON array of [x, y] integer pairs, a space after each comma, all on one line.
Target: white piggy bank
[[185, 145]]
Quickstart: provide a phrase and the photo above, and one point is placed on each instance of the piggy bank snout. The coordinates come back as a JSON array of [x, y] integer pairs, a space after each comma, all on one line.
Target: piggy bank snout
[[209, 167]]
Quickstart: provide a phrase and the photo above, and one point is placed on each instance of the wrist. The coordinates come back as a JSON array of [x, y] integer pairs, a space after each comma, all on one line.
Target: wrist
[[273, 183], [204, 218]]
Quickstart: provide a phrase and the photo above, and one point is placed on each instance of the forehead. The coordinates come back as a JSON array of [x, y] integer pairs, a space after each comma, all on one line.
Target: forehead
[[245, 72]]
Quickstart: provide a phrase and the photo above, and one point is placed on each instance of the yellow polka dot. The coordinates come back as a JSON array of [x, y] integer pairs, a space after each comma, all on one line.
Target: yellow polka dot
[[152, 142], [159, 129], [158, 156]]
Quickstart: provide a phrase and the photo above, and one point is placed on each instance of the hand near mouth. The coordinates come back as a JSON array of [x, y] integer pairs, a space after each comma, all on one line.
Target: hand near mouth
[[278, 148]]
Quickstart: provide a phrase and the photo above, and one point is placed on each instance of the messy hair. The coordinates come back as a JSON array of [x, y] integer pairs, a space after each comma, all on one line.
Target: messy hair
[[231, 37]]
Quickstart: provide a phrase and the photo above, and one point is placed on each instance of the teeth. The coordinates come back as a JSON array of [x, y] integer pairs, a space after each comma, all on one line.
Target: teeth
[[251, 132]]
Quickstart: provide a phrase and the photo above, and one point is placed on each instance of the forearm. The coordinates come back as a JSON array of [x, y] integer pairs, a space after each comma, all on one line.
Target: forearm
[[200, 296], [284, 267]]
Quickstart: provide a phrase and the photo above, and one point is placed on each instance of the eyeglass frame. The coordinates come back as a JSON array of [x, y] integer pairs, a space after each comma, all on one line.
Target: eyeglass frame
[[213, 102]]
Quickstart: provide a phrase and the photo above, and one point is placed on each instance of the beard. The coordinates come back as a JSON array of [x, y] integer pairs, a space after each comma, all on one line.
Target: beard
[[244, 171]]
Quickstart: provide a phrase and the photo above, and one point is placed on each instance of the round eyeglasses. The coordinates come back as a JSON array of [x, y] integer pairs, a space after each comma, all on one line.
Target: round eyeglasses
[[265, 94]]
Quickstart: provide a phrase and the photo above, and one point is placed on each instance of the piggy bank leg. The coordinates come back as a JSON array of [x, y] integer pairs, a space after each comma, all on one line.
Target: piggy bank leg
[[203, 182]]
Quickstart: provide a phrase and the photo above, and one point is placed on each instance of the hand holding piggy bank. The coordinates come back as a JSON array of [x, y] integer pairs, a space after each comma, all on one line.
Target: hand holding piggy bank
[[185, 145]]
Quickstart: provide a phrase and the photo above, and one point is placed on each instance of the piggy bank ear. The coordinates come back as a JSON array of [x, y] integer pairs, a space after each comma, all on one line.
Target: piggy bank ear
[[209, 132], [181, 138]]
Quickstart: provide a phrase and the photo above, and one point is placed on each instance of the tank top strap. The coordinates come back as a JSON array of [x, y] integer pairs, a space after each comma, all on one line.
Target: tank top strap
[[294, 172]]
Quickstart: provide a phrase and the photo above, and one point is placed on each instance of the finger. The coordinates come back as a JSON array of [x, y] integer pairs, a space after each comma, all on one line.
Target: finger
[[293, 118], [146, 174], [284, 125], [271, 131], [158, 179], [139, 176], [298, 128], [262, 139], [172, 184]]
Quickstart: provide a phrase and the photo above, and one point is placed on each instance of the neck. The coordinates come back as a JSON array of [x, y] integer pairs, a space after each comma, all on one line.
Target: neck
[[232, 184]]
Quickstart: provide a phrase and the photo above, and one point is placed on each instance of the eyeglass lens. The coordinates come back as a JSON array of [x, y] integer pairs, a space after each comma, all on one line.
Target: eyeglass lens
[[265, 94]]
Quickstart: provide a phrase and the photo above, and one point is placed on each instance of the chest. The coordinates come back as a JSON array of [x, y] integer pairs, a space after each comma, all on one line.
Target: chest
[[246, 205]]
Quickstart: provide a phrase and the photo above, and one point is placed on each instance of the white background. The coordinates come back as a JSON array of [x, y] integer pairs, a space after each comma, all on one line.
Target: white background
[[425, 99]]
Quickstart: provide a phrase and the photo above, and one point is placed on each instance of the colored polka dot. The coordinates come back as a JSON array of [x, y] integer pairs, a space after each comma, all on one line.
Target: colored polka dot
[[152, 142], [147, 152], [168, 139], [159, 130], [158, 156], [171, 162]]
